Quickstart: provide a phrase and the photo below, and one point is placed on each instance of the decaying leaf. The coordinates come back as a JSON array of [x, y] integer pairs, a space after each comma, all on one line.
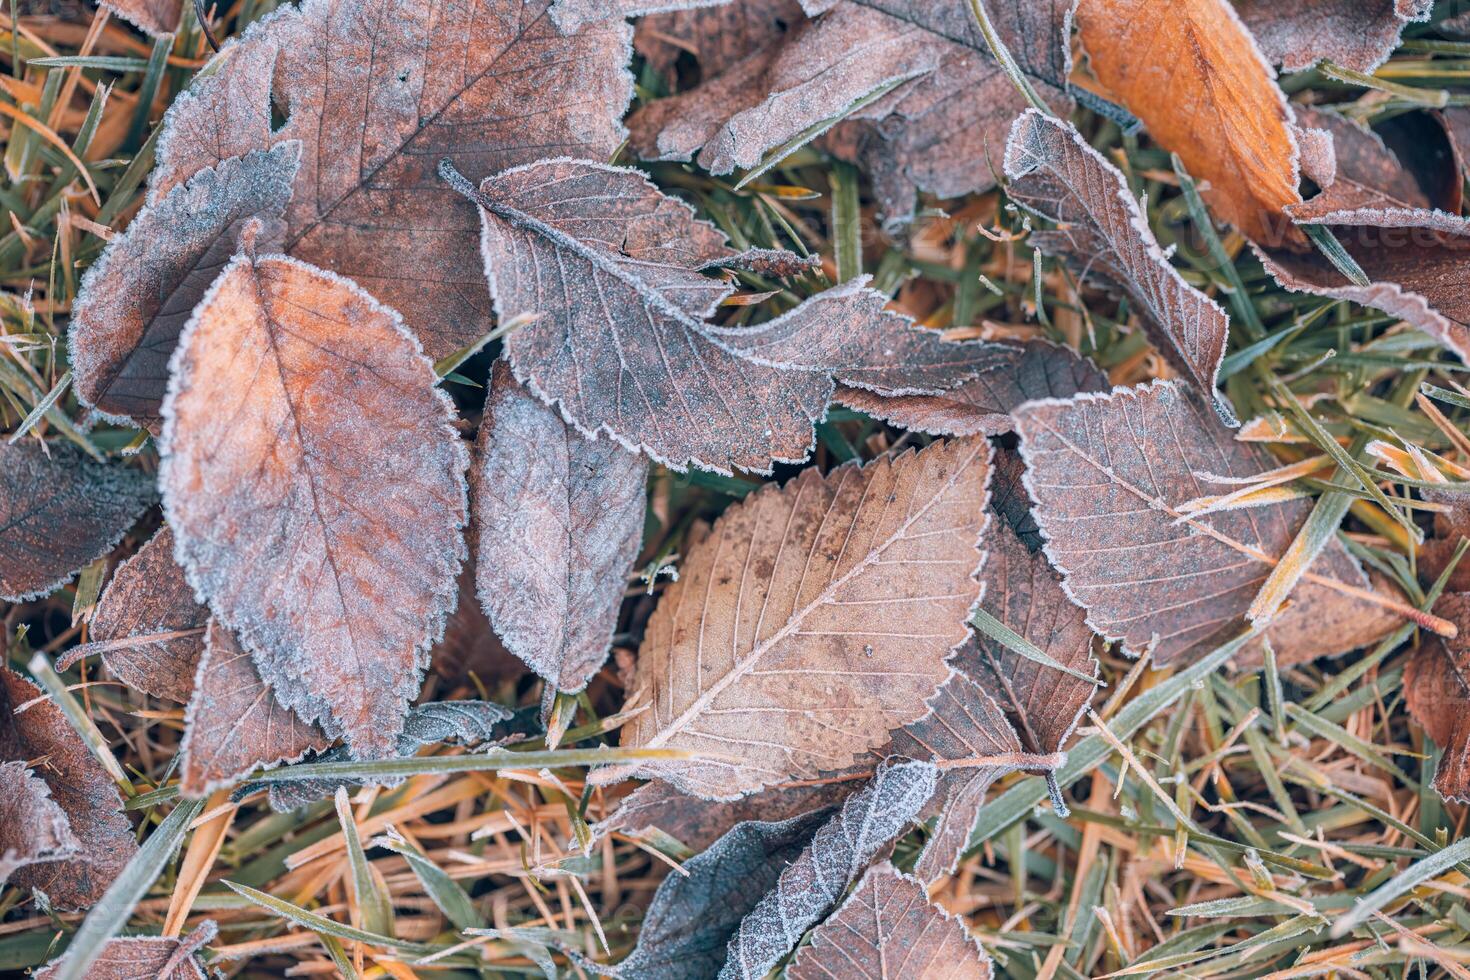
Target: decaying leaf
[[842, 848], [1101, 231], [60, 511], [316, 489], [982, 405], [887, 928], [622, 343], [234, 724], [924, 101], [1009, 500], [1108, 474], [812, 620], [377, 93], [33, 828], [716, 37], [136, 298], [79, 786], [1437, 689], [1356, 34], [559, 521], [697, 823], [1192, 73], [148, 957], [154, 17]]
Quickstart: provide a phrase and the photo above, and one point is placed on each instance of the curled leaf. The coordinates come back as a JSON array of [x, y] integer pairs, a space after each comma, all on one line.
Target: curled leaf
[[33, 828], [1356, 34]]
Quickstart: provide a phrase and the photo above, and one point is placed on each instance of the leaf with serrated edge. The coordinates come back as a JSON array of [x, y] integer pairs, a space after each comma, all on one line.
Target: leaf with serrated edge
[[622, 343], [1101, 231], [812, 620], [378, 91], [559, 521], [315, 486], [33, 827], [1108, 474], [152, 17], [61, 511], [1437, 691], [887, 928], [147, 957], [1356, 34]]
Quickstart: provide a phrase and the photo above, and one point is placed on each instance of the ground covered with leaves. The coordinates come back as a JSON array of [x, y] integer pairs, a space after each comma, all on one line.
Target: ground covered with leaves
[[812, 488]]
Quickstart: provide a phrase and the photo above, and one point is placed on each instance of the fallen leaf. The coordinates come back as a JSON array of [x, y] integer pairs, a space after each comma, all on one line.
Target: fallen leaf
[[1355, 34], [79, 786], [152, 17], [304, 424], [1363, 167], [377, 94], [715, 37], [982, 406], [559, 520], [840, 850], [234, 724], [1450, 525], [622, 342], [61, 511], [136, 298], [1437, 690], [697, 823], [1102, 232], [469, 648], [814, 619], [1108, 474], [887, 928], [147, 957], [1009, 500], [33, 828], [1193, 74]]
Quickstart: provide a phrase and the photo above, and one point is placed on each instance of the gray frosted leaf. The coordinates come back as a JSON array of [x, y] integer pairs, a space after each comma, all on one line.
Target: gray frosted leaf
[[61, 511], [607, 264], [147, 957], [887, 928], [571, 15], [33, 828], [137, 297], [1101, 231], [982, 405], [841, 849], [559, 521], [1355, 34]]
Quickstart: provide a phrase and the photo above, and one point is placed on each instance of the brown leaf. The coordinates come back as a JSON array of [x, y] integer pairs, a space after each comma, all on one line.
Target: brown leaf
[[813, 619], [377, 93], [33, 828], [887, 928], [1009, 500], [152, 17], [622, 340], [982, 406], [1355, 34], [316, 487], [79, 785], [1192, 73], [559, 520], [942, 118], [716, 37], [469, 646], [1102, 232], [1437, 690], [147, 957], [234, 724], [137, 297], [1109, 473], [697, 823], [61, 511]]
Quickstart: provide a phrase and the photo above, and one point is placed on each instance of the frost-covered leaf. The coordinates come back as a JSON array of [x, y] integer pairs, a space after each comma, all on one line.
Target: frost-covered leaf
[[234, 724], [61, 511], [1101, 231], [1437, 689], [316, 489], [559, 521], [925, 103], [572, 15], [813, 619], [839, 852], [148, 957], [378, 91], [79, 786], [1193, 74], [621, 341], [1356, 34], [887, 928], [716, 37], [136, 298], [1108, 474], [33, 827], [154, 17], [1009, 500], [982, 405]]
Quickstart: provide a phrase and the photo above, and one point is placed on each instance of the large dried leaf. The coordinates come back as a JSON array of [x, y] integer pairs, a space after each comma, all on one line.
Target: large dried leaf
[[1109, 475], [1102, 231], [888, 929], [715, 37], [812, 620], [559, 520], [697, 823], [944, 113], [60, 511], [622, 343], [33, 827], [136, 298], [378, 91], [234, 724], [1356, 34], [147, 957], [1192, 73], [316, 488], [1437, 690], [839, 852], [79, 786]]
